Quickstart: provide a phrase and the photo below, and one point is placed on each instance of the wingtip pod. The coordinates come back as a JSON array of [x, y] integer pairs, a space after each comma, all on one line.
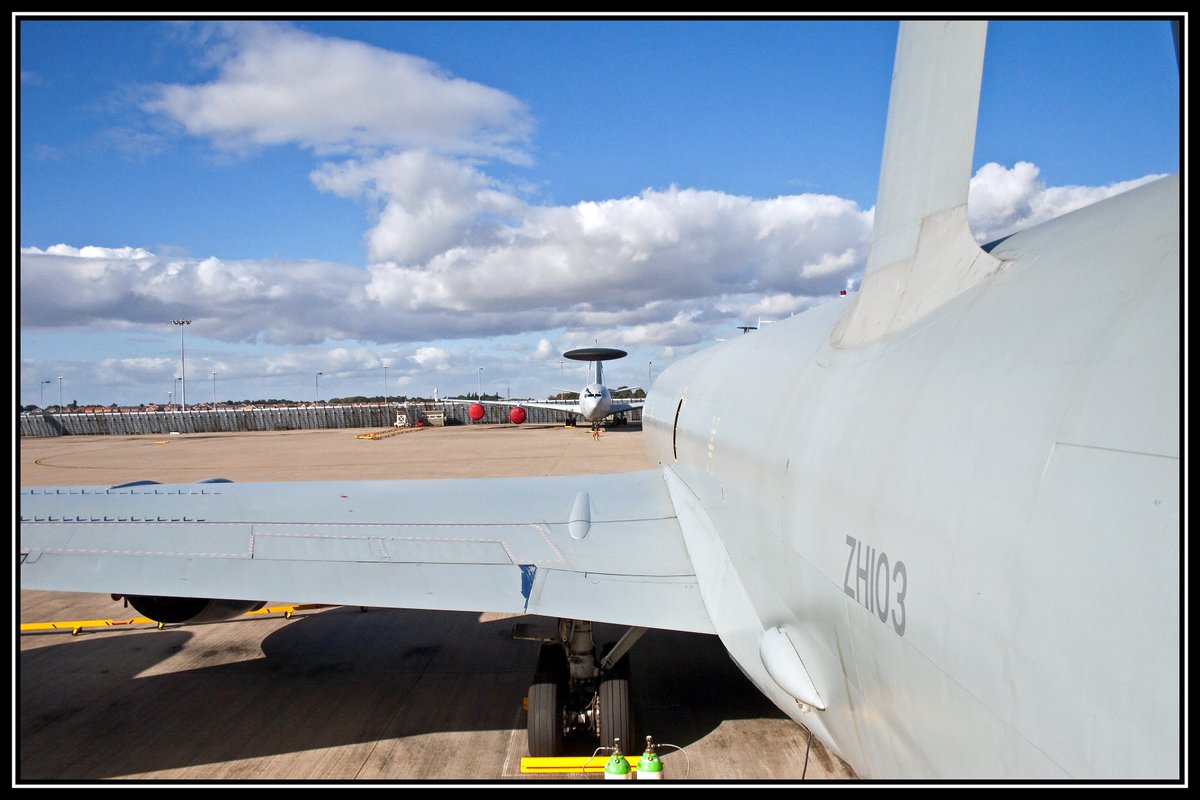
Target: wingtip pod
[[922, 251]]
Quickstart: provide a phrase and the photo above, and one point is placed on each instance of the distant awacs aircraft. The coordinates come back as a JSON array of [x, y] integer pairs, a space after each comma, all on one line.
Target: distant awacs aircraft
[[956, 557], [595, 404]]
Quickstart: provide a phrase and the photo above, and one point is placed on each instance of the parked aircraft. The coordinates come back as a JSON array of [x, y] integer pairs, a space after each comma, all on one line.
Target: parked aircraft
[[595, 404], [958, 556]]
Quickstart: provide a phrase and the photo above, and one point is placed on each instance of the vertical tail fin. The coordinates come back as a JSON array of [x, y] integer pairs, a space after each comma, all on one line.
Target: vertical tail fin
[[922, 251]]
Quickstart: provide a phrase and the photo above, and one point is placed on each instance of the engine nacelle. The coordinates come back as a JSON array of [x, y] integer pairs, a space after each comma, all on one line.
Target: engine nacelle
[[475, 411], [191, 609], [516, 415]]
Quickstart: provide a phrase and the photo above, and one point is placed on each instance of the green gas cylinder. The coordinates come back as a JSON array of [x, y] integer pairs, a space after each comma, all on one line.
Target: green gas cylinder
[[650, 766], [617, 768]]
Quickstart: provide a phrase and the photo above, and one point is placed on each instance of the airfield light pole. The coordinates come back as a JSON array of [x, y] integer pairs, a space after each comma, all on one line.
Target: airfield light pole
[[42, 401], [170, 397], [182, 362], [649, 379], [317, 391], [214, 376], [385, 394], [479, 386], [60, 405]]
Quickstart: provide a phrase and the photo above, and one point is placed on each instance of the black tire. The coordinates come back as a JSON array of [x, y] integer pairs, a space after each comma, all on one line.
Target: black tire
[[614, 708], [547, 698]]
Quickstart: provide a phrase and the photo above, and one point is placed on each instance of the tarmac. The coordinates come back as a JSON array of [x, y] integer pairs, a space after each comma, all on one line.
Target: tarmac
[[337, 694]]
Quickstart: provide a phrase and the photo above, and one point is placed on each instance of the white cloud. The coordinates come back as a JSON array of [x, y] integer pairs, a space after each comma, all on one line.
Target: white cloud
[[636, 268], [430, 204], [90, 251], [617, 254], [430, 356], [279, 85], [686, 327], [752, 308], [292, 302], [1003, 200], [661, 273]]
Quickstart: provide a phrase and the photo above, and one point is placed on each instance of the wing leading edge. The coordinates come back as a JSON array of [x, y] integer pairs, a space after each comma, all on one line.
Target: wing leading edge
[[606, 548], [617, 406]]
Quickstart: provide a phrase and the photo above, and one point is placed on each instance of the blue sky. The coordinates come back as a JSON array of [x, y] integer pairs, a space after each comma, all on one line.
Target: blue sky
[[443, 196]]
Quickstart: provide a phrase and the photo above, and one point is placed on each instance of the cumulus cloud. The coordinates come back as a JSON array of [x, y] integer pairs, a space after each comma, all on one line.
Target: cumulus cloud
[[660, 269], [618, 254], [1003, 200], [686, 327], [427, 204], [91, 251], [280, 85], [454, 253], [294, 302], [430, 357]]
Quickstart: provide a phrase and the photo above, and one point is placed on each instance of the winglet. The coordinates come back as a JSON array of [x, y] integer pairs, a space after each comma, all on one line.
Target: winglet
[[922, 251]]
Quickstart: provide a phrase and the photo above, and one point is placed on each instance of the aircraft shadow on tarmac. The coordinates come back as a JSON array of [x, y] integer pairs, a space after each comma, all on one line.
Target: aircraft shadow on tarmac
[[326, 679]]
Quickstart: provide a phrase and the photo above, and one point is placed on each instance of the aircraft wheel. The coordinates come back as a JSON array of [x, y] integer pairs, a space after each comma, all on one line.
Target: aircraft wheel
[[547, 699], [615, 711]]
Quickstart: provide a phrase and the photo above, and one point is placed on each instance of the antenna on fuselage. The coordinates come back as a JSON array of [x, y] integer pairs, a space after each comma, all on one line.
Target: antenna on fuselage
[[597, 355]]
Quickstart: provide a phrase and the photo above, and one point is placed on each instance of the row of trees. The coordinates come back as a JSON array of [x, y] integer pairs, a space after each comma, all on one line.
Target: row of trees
[[69, 407]]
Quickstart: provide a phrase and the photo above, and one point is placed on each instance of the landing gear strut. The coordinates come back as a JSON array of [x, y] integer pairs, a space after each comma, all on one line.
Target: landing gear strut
[[575, 690]]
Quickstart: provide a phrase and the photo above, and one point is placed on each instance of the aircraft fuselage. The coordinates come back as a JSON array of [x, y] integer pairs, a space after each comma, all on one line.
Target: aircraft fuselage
[[595, 402], [969, 531]]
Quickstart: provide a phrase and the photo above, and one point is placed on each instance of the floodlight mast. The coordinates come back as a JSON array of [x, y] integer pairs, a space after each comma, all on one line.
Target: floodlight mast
[[182, 323]]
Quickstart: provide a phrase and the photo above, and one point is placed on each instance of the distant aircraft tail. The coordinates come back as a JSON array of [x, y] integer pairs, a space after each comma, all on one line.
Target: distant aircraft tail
[[922, 251]]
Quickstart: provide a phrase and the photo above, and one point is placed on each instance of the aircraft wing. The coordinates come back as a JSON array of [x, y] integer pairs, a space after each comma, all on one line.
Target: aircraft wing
[[606, 547], [617, 405], [570, 408]]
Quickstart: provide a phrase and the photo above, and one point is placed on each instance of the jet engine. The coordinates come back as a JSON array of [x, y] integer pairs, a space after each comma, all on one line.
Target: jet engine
[[516, 415], [191, 609]]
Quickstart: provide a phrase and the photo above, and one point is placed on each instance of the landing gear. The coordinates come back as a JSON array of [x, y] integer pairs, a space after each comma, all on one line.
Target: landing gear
[[548, 702], [576, 691], [614, 715]]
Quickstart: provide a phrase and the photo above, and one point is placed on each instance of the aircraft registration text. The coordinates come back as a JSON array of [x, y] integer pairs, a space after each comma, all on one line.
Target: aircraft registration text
[[874, 583]]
